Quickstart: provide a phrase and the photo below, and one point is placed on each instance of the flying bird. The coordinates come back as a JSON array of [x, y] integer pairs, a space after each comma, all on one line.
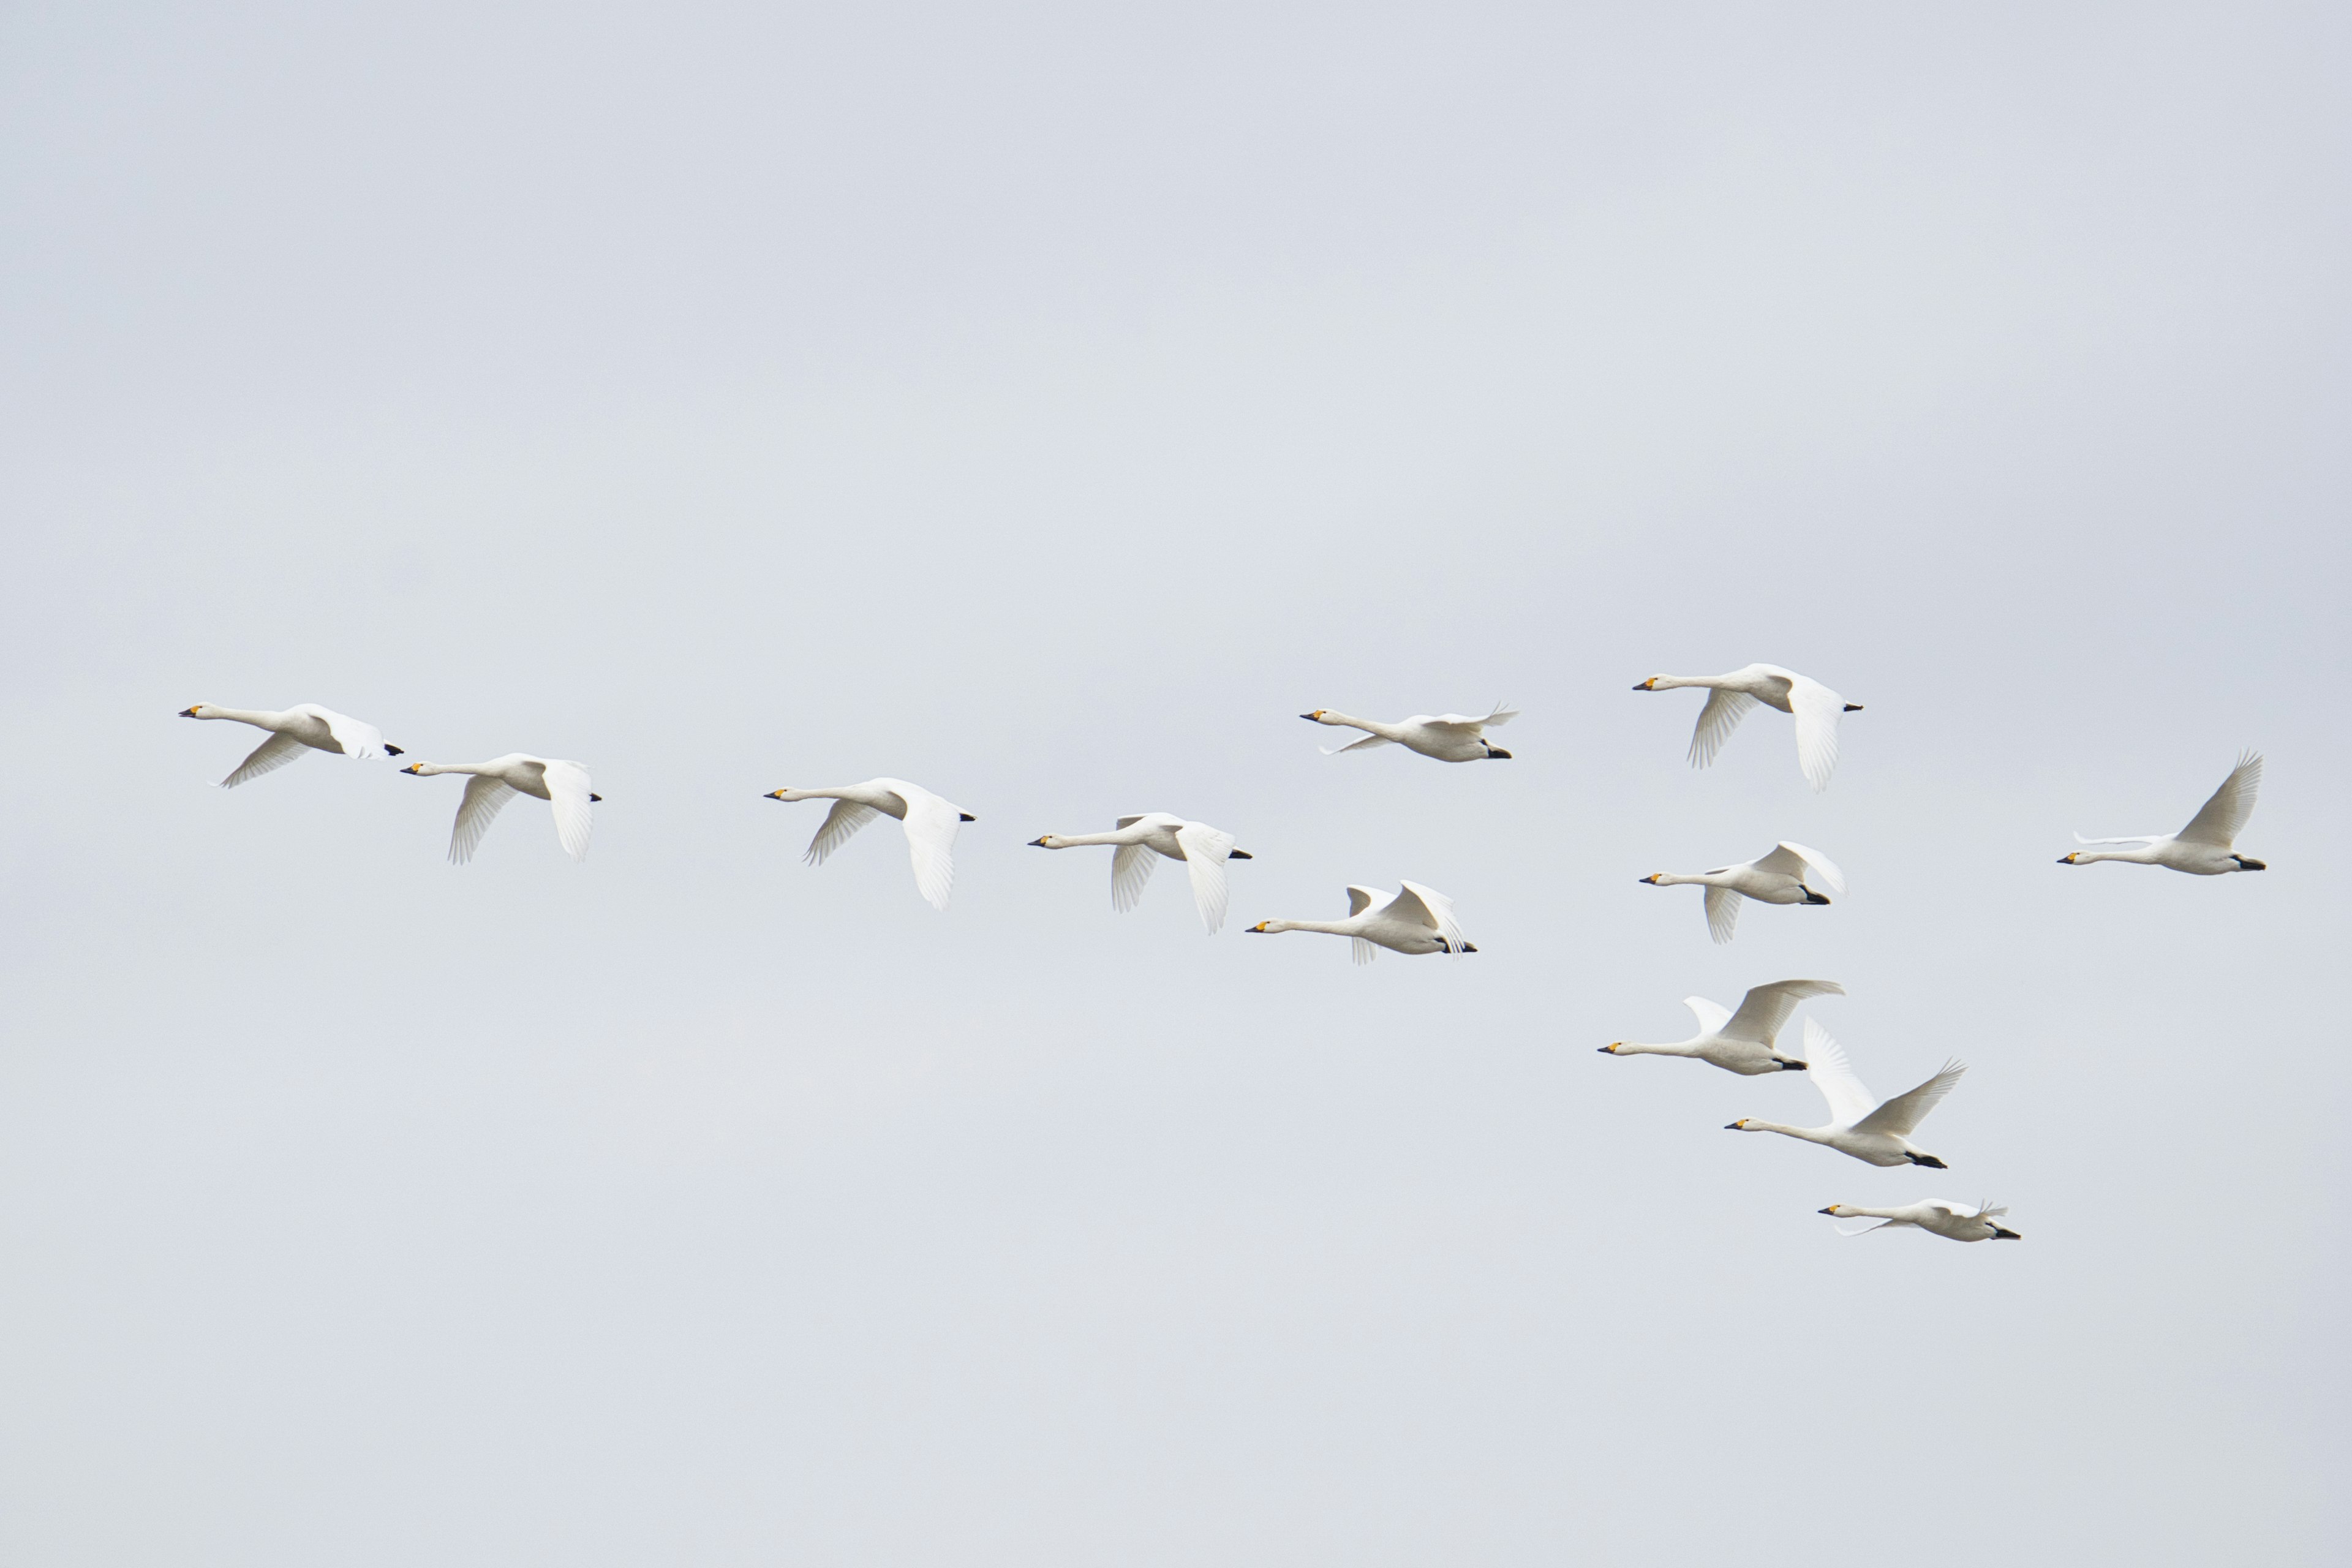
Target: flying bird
[[1732, 697], [930, 820], [1143, 841], [1939, 1216], [1743, 1042], [306, 724], [1874, 1133], [564, 786], [2203, 848], [1780, 876], [1448, 737], [1417, 920]]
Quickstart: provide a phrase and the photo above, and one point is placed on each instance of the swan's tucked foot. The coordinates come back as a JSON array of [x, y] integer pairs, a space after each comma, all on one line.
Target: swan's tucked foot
[[1813, 898], [596, 797], [1927, 1160], [966, 817], [1469, 947], [1495, 756], [1239, 855], [2001, 1235], [1854, 706], [2246, 865], [1796, 1067], [392, 751]]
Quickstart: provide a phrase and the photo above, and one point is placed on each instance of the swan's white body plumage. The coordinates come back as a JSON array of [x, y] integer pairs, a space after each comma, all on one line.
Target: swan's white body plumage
[[1731, 698], [1875, 1131], [564, 786], [1143, 841], [1744, 1042], [2204, 847], [1782, 875], [1448, 737], [304, 726], [1416, 921], [931, 822], [1937, 1216]]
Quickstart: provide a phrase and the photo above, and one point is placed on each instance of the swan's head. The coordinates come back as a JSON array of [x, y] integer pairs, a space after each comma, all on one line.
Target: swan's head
[[1836, 1211], [784, 793], [2246, 864], [1738, 1126], [1611, 1048], [2068, 860], [1652, 878], [417, 768], [1651, 684], [192, 710], [1045, 841], [1262, 926], [1316, 716]]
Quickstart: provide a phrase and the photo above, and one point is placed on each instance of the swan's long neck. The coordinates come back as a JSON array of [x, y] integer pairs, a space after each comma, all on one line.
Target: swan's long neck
[[1849, 1211], [1676, 879], [1636, 1048], [268, 721], [428, 770], [1810, 1134], [2141, 856], [1673, 682], [789, 794], [1329, 927], [1083, 841], [1331, 716]]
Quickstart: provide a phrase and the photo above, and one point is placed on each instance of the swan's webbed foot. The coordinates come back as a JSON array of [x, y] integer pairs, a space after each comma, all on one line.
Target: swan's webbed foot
[[1496, 755], [1469, 947], [1795, 1066], [1239, 855], [966, 817], [1813, 898], [1927, 1160], [1854, 706], [1999, 1233], [596, 797], [392, 751]]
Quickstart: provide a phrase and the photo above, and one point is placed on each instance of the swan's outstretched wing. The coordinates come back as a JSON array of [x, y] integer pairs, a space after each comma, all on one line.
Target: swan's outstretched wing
[[845, 818], [1473, 721], [1722, 913], [1205, 849], [1765, 1007], [1366, 744], [1712, 1016], [1362, 899], [266, 758], [1806, 864], [2220, 819], [1361, 951], [2133, 838], [568, 793], [1862, 1226], [1131, 866], [1906, 1110], [484, 798], [1431, 909], [1826, 1065], [1716, 721], [1817, 711], [932, 825], [357, 739]]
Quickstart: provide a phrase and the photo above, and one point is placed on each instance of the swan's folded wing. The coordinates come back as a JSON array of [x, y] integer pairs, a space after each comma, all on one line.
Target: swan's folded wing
[[1817, 711], [1722, 913], [2221, 819], [1431, 909], [1366, 744], [484, 798], [1791, 859], [1716, 721], [932, 825], [1826, 1065], [1131, 866], [1766, 1008], [1901, 1114], [357, 739], [1712, 1016], [1205, 850], [568, 791], [844, 819], [266, 758]]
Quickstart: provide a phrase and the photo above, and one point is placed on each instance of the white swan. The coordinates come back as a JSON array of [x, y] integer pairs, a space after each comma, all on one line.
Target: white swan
[[564, 786], [1742, 1042], [1941, 1216], [930, 821], [1874, 1133], [1448, 737], [1815, 707], [1203, 849], [1778, 878], [304, 724], [1417, 920], [2201, 848]]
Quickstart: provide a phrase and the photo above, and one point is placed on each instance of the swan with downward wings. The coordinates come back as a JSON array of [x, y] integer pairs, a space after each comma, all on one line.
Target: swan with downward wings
[[1142, 841], [305, 725], [1415, 921], [931, 822], [1781, 877], [1731, 698], [564, 786]]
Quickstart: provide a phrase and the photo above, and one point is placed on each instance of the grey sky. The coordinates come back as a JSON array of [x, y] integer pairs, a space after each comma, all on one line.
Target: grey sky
[[1048, 405]]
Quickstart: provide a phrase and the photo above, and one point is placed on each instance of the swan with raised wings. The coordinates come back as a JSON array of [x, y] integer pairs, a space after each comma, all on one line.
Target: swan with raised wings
[[1873, 1132], [1415, 921], [2203, 849], [1781, 877], [1744, 1042], [931, 822], [1937, 1216], [564, 786], [1731, 698], [305, 725], [1143, 841], [1448, 737]]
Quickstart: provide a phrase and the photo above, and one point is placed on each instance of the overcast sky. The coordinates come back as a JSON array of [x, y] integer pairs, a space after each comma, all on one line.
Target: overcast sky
[[1048, 405]]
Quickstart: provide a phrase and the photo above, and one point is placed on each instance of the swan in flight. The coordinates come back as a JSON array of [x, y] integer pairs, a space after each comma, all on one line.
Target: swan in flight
[[1860, 1125], [1942, 1216], [1417, 920], [564, 786], [304, 724], [1740, 1042], [1778, 878], [931, 822], [2201, 848], [1203, 849], [1448, 737], [1730, 697]]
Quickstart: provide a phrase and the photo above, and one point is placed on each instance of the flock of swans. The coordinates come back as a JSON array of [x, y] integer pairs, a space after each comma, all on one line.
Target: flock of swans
[[1416, 919]]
